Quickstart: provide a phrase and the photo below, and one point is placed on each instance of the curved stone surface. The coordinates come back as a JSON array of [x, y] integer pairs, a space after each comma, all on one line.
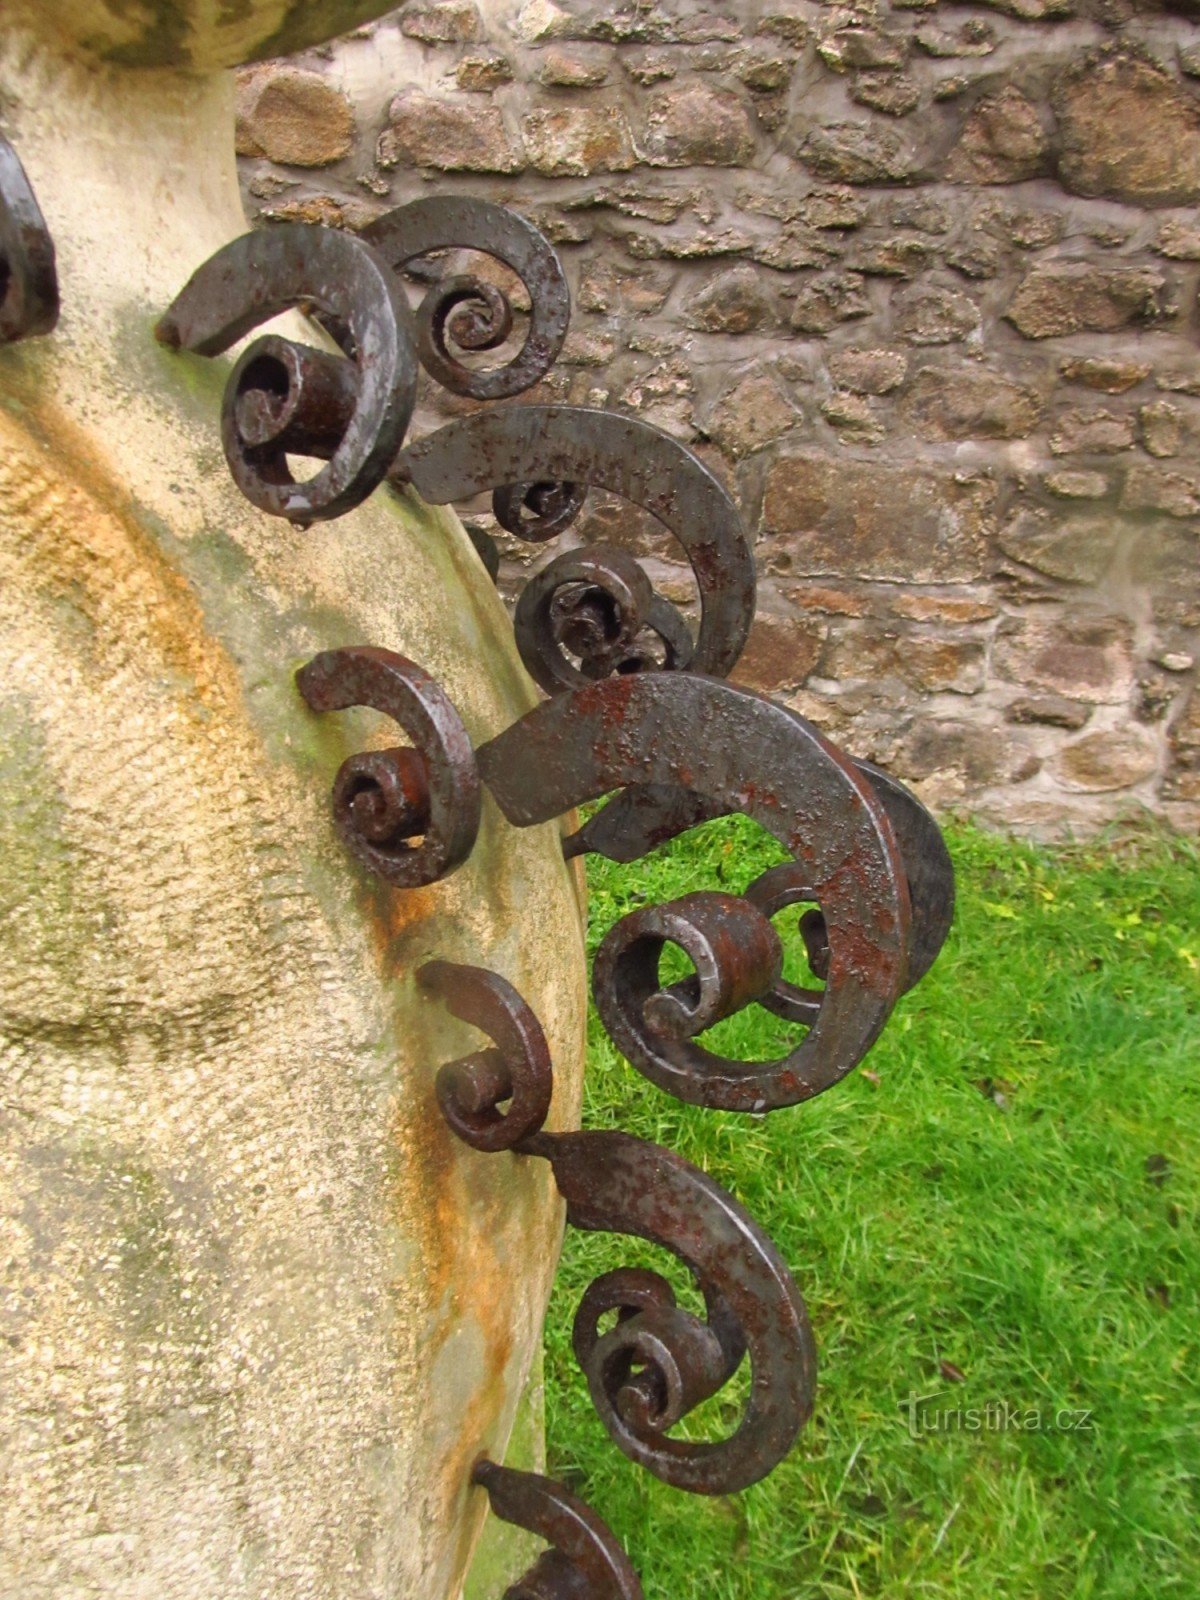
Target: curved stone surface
[[262, 1310]]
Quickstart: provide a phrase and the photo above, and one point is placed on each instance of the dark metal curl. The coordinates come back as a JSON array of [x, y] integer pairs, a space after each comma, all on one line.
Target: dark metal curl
[[585, 1561], [410, 815], [471, 1090], [28, 274], [659, 1362], [627, 457], [592, 606], [537, 512], [475, 314], [250, 281], [738, 752], [730, 942]]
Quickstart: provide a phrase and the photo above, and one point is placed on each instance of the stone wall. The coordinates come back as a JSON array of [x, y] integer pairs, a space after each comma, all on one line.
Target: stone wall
[[919, 280]]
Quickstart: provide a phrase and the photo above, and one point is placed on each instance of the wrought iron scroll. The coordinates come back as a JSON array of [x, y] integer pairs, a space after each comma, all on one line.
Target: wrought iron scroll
[[28, 275], [584, 1562], [409, 814], [658, 1362], [583, 622], [743, 753], [468, 311], [283, 397]]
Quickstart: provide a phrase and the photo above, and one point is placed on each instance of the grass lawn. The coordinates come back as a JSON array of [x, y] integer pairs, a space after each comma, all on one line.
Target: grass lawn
[[1000, 1207]]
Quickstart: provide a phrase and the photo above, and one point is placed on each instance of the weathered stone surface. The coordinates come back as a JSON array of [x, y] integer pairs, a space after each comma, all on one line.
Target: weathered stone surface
[[751, 414], [1077, 484], [893, 93], [868, 371], [482, 71], [441, 21], [853, 49], [975, 753], [1002, 141], [1100, 433], [902, 257], [1082, 657], [1151, 489], [1127, 131], [967, 403], [1106, 760], [1075, 549], [851, 152], [577, 140], [853, 418], [929, 314], [735, 301], [876, 520], [780, 653], [563, 68], [1078, 297], [951, 608], [975, 38], [1106, 374], [828, 298], [1179, 240], [765, 73], [697, 126], [941, 665], [292, 117], [1162, 426], [449, 135], [1051, 710]]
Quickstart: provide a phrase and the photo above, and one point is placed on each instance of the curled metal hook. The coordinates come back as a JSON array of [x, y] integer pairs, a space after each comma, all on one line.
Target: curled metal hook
[[28, 275], [282, 395], [577, 445], [586, 614], [467, 311], [584, 1562], [410, 815], [743, 753], [658, 1362], [470, 1091]]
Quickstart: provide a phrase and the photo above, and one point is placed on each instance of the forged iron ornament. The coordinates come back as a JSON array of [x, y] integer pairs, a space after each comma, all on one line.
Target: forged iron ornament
[[546, 446], [287, 395], [468, 311], [658, 1362], [644, 816], [471, 1090], [409, 814], [742, 753], [585, 1561], [28, 277]]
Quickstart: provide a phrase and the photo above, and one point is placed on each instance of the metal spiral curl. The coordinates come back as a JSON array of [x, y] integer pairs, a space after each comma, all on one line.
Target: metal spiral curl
[[409, 814], [584, 1562], [28, 274], [737, 752], [586, 615], [540, 457], [284, 397], [467, 311], [470, 1091], [537, 512], [659, 1362]]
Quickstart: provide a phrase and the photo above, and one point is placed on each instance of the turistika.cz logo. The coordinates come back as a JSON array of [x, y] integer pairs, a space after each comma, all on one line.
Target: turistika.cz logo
[[923, 1416]]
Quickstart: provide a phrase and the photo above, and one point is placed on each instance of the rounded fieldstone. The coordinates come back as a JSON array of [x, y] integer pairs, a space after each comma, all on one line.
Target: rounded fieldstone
[[293, 117], [1102, 761]]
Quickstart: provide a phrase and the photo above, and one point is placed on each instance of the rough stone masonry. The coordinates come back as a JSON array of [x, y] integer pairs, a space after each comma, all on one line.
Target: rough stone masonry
[[918, 279]]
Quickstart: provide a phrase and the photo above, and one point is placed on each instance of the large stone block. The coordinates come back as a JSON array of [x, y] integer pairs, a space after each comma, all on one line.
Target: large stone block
[[1065, 297], [971, 404], [1084, 657], [450, 135], [576, 141], [293, 117], [698, 126], [878, 520], [1128, 131], [1002, 141]]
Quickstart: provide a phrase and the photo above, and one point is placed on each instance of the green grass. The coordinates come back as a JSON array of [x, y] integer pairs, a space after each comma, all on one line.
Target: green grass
[[1009, 1185]]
